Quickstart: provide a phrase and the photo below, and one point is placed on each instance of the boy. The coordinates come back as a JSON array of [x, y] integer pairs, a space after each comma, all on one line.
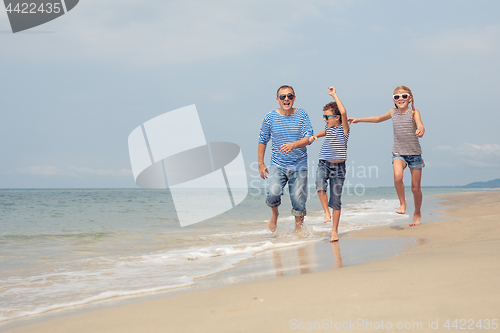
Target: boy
[[332, 158]]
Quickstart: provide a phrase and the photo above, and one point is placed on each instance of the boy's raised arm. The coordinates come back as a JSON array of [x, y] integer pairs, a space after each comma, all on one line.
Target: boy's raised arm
[[343, 113]]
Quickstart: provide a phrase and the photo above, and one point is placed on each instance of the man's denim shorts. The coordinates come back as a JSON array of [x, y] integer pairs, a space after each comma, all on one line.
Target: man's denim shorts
[[297, 185], [413, 161], [333, 173]]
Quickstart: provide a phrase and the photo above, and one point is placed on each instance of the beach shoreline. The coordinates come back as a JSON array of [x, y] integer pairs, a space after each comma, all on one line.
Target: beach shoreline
[[234, 301], [313, 256]]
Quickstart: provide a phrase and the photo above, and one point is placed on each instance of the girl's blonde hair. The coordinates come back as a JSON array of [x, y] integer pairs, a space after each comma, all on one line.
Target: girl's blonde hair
[[406, 89]]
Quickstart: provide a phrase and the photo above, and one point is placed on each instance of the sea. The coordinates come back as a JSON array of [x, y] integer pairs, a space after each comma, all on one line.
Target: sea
[[63, 248]]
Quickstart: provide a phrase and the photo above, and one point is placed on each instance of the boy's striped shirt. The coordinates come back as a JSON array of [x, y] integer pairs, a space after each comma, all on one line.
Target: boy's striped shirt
[[334, 148]]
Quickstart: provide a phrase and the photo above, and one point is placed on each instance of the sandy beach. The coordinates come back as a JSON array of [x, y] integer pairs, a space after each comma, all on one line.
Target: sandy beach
[[447, 282]]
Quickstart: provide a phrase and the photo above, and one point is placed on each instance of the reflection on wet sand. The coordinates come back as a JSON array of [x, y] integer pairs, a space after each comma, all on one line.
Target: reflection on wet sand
[[310, 257], [305, 259], [293, 261], [336, 254], [302, 253], [420, 241], [278, 266]]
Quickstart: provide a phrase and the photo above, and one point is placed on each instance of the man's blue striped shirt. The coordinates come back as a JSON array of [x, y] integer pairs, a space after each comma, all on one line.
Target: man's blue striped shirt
[[285, 129]]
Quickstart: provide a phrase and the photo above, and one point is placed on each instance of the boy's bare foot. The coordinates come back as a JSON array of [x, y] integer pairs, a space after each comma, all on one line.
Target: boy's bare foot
[[402, 209], [273, 222], [328, 217], [416, 219], [335, 236]]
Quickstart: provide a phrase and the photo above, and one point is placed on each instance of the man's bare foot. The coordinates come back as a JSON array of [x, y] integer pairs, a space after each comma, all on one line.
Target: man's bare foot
[[273, 222], [328, 217], [416, 219], [299, 221], [402, 209], [335, 236]]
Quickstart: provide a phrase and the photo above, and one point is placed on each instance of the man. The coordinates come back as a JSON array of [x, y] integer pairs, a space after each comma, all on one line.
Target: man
[[289, 130]]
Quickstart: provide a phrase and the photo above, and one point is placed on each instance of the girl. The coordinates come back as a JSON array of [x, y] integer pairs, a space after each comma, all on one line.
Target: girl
[[406, 151]]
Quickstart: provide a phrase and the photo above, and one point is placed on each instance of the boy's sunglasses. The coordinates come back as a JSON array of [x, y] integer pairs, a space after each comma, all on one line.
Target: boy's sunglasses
[[325, 116], [290, 96], [403, 96]]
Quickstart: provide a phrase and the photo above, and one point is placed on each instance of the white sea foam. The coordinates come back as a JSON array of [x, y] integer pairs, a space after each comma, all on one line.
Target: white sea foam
[[107, 277]]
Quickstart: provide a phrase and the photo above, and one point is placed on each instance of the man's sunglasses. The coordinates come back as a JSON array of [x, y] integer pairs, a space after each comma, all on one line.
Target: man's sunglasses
[[403, 96], [326, 116], [290, 96]]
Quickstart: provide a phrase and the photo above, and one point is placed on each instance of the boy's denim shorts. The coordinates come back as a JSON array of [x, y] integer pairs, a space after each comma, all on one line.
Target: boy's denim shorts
[[333, 173], [413, 161]]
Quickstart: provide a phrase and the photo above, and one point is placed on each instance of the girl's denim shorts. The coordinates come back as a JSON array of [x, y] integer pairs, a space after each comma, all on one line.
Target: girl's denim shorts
[[413, 161]]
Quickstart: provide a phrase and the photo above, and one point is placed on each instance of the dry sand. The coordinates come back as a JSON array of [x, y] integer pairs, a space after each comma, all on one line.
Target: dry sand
[[452, 275]]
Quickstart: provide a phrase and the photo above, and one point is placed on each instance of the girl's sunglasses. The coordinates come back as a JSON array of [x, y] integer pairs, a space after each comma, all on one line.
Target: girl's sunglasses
[[326, 116], [290, 96], [403, 96]]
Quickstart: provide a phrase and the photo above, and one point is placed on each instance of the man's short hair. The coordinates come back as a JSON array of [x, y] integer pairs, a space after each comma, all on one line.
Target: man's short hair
[[333, 106], [284, 87]]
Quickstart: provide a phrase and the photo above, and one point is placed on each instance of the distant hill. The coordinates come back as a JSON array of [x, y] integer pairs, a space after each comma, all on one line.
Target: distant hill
[[495, 183]]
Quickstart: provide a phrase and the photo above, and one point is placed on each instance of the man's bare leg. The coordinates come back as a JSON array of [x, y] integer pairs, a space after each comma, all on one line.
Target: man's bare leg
[[416, 176], [323, 198], [399, 166], [299, 221], [273, 221]]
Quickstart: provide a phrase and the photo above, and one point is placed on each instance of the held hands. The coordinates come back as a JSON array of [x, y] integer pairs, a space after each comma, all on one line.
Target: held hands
[[353, 120], [287, 147], [312, 139], [263, 171]]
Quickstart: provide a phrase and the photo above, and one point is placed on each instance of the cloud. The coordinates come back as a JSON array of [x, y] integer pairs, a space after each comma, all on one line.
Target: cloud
[[169, 32], [443, 148], [71, 171], [459, 42], [482, 156]]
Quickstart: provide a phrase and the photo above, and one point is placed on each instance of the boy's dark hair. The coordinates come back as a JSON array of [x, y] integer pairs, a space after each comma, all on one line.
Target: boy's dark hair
[[333, 106], [284, 87]]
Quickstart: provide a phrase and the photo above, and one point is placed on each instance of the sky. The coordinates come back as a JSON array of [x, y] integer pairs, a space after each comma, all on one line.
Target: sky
[[73, 89]]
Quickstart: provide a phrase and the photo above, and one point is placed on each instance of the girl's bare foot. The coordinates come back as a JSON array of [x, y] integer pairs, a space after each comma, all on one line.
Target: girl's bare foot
[[416, 219], [335, 236], [402, 209]]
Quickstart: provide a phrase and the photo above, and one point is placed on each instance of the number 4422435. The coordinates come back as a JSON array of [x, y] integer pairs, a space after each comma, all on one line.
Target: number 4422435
[[33, 8], [471, 324]]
